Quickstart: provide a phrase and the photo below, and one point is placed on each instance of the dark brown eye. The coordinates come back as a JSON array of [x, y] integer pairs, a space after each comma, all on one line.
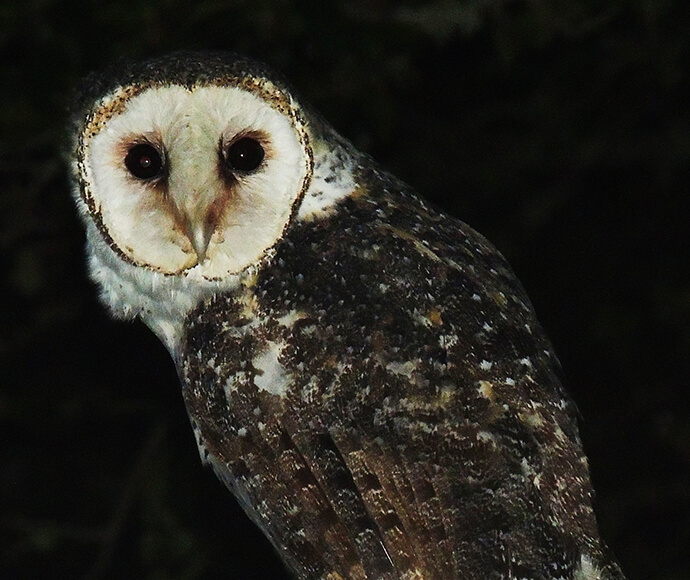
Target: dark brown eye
[[144, 161], [244, 155]]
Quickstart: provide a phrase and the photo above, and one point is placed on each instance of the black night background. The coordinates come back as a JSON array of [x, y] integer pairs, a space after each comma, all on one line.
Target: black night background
[[560, 130]]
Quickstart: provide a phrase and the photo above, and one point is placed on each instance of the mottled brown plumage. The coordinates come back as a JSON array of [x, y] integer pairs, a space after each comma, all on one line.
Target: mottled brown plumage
[[424, 426], [375, 389]]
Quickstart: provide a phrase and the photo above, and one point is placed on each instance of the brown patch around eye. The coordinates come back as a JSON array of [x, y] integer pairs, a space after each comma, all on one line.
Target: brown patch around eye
[[244, 153], [217, 209], [144, 159]]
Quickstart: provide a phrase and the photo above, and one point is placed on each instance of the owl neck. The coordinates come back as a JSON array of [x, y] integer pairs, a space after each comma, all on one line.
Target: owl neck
[[163, 302]]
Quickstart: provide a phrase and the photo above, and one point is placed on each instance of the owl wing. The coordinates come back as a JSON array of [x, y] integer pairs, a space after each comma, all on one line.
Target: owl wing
[[384, 404]]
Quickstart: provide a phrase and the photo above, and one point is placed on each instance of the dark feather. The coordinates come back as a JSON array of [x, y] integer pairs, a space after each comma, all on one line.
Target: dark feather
[[423, 432]]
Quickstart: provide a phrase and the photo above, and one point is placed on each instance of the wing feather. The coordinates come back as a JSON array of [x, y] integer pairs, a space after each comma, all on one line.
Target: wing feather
[[421, 431]]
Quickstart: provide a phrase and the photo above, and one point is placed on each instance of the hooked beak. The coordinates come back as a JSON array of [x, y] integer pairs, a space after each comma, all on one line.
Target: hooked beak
[[197, 222], [197, 195], [199, 234]]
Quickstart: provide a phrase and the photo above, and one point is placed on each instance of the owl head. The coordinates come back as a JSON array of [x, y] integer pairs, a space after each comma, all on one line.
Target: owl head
[[188, 170]]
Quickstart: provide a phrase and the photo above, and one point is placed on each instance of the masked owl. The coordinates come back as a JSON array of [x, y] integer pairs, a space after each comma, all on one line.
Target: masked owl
[[364, 372]]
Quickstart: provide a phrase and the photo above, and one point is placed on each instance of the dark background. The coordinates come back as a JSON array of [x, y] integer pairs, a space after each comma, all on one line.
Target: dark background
[[561, 130]]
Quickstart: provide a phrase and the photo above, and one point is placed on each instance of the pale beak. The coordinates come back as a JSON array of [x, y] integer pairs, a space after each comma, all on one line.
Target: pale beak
[[197, 224], [195, 190], [199, 233]]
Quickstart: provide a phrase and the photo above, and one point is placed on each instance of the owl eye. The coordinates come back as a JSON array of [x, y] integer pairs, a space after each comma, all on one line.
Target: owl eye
[[144, 161], [244, 155]]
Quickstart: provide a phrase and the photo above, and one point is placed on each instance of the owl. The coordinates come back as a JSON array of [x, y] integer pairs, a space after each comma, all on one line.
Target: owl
[[362, 371]]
